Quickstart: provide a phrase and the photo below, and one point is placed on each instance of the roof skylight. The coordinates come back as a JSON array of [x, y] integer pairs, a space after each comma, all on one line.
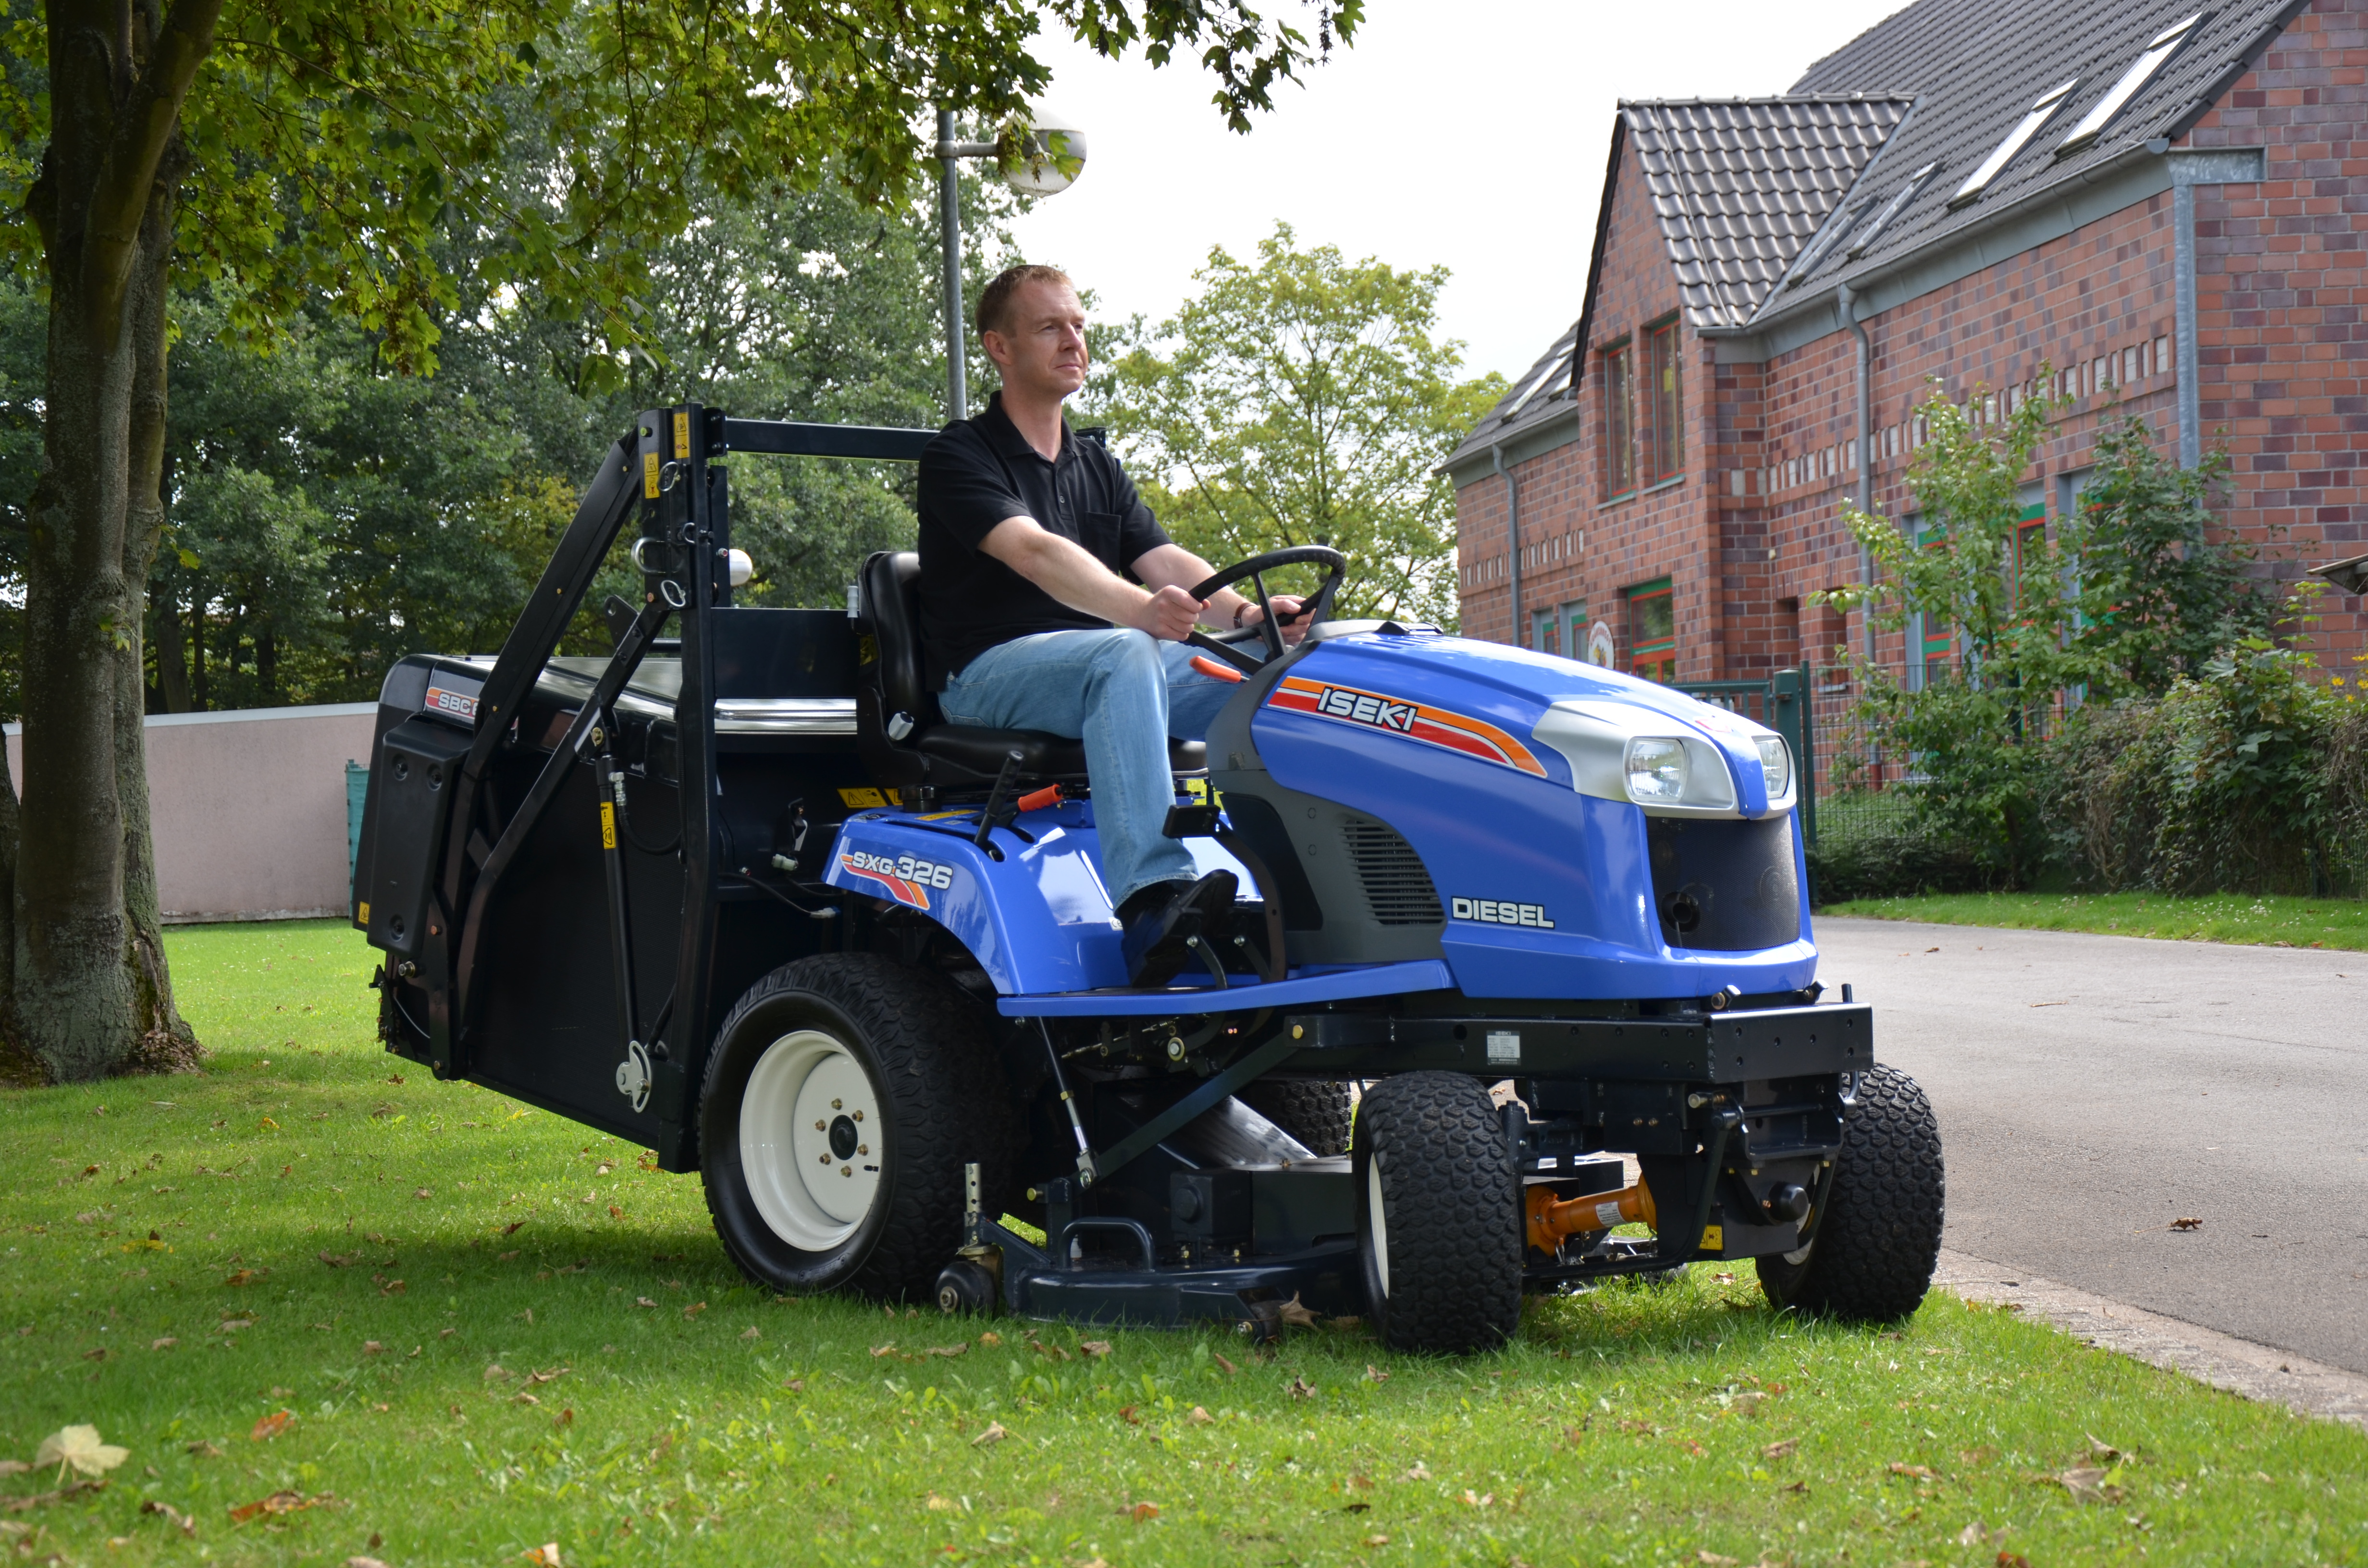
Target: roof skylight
[[1555, 373], [2016, 140], [2157, 54], [1892, 209]]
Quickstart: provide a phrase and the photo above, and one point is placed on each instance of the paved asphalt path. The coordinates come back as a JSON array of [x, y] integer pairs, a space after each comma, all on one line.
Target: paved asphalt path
[[2093, 1089]]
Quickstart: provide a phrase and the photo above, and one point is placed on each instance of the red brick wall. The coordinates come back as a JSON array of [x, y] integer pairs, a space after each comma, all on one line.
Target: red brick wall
[[2281, 342]]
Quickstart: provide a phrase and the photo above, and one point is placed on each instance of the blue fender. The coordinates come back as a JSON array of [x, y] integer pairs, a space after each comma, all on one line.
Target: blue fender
[[1039, 920]]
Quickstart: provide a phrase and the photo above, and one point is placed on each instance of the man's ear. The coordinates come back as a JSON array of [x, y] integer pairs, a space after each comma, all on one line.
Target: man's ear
[[997, 348]]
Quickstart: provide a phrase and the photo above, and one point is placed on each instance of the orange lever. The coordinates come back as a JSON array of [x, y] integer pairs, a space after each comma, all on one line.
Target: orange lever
[[1037, 799], [1552, 1219], [1209, 666]]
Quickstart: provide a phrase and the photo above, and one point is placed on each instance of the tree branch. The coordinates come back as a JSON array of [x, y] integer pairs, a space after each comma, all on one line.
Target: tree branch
[[127, 174]]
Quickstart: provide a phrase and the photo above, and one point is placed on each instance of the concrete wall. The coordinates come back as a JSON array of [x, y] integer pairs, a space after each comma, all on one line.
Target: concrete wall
[[249, 809]]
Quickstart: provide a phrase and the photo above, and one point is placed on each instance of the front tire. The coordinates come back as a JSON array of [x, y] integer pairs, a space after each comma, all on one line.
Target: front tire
[[844, 1095], [1875, 1250], [1438, 1214]]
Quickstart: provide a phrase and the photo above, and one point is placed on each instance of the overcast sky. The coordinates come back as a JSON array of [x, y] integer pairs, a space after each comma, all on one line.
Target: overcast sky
[[1471, 135]]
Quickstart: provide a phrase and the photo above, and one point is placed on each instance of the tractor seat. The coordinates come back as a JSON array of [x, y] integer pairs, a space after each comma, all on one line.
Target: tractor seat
[[895, 696]]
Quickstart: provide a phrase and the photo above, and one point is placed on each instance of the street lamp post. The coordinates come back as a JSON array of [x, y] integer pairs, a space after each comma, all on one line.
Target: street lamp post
[[1043, 160]]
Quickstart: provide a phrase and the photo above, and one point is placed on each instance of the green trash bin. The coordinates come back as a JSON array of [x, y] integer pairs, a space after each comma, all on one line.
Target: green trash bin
[[357, 792]]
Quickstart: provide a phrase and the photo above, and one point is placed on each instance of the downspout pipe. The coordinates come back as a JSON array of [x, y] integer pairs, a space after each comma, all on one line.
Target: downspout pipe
[[1512, 536], [1846, 300]]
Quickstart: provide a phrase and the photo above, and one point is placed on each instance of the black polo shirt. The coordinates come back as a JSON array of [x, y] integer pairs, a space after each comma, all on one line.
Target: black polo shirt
[[977, 473]]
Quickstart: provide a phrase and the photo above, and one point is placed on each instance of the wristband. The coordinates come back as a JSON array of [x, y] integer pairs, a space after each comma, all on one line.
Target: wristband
[[1240, 610]]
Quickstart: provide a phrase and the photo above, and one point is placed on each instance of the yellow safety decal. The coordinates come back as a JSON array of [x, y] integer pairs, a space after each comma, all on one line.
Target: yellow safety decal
[[860, 798], [608, 825], [364, 915], [650, 475], [682, 433], [1201, 795], [1714, 1239]]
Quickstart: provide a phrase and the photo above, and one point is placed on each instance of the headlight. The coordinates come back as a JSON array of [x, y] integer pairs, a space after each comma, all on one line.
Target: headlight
[[1656, 770], [1776, 767]]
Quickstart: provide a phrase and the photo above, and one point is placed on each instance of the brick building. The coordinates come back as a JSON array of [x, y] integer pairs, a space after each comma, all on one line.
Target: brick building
[[2162, 205]]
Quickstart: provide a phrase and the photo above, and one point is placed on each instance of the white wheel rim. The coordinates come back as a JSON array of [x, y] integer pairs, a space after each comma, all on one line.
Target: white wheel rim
[[1375, 1225], [810, 1140]]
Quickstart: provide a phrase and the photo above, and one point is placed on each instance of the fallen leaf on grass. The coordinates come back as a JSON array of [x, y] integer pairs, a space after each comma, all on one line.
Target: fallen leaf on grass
[[1199, 1416], [270, 1427], [1377, 1541], [941, 1504], [1143, 1511], [1973, 1534], [1421, 1471], [1300, 1388], [693, 1309], [78, 1449], [424, 1192], [1913, 1472], [751, 1333], [97, 1355], [887, 1349], [947, 1350], [544, 1556], [1714, 1559], [643, 1301], [333, 1261], [564, 1418], [2012, 1560], [1126, 1413], [203, 1450], [372, 1347], [1092, 1349], [1218, 1356], [2087, 1484], [1374, 1374], [990, 1338], [496, 1371], [280, 1502], [992, 1435], [1358, 1508], [245, 1275], [1296, 1315], [524, 1398], [184, 1523], [364, 1562], [1781, 1450], [237, 1323]]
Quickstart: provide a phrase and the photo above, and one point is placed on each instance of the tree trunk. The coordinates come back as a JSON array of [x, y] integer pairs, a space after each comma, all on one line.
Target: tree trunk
[[117, 75], [165, 1043]]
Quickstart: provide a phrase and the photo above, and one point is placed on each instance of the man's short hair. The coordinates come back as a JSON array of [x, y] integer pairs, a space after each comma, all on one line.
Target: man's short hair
[[995, 305]]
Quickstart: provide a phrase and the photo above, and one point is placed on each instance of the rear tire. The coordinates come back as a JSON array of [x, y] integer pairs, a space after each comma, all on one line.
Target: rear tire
[[1879, 1241], [845, 1094], [1317, 1112], [1439, 1215]]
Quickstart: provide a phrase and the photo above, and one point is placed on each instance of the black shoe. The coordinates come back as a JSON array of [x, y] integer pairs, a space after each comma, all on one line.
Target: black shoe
[[1165, 920]]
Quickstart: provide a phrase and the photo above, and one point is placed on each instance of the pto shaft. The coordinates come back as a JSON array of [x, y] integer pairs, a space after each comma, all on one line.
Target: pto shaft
[[1551, 1220]]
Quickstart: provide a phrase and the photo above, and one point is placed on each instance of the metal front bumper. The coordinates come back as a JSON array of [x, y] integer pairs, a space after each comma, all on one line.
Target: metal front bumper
[[1718, 1047]]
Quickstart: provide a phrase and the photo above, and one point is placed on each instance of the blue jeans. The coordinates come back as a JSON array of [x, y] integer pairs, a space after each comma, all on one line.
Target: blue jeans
[[1124, 694]]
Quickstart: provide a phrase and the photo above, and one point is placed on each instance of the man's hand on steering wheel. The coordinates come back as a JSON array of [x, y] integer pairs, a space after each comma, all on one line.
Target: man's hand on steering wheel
[[1286, 612], [1170, 614]]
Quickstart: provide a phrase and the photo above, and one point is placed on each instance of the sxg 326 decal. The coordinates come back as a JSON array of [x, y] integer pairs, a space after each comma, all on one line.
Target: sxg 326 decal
[[1402, 716], [907, 879]]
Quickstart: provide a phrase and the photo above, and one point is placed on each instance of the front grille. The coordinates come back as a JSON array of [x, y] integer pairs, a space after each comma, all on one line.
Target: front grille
[[1395, 883]]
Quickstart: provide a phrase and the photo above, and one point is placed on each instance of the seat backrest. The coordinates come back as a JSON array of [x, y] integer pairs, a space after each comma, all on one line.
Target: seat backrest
[[891, 607]]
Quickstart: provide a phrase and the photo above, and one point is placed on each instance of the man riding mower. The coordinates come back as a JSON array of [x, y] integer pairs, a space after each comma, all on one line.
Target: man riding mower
[[1099, 934]]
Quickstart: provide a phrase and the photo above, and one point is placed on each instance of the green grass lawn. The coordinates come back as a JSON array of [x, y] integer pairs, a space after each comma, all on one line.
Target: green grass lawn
[[2269, 920], [432, 1326]]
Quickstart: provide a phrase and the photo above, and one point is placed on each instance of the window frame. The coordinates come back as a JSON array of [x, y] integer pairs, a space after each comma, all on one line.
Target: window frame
[[2159, 52], [1659, 652], [1618, 364], [1664, 436], [2026, 130]]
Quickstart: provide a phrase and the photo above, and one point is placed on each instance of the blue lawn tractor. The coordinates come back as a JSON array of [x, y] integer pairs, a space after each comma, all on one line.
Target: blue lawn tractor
[[1525, 997]]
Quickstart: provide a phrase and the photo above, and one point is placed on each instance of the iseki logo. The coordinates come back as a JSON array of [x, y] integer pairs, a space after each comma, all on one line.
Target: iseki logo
[[1494, 911], [1364, 708]]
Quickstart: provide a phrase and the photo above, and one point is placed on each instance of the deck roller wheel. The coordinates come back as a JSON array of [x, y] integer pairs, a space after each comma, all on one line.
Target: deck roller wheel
[[844, 1095], [1316, 1111], [1872, 1253], [1438, 1214]]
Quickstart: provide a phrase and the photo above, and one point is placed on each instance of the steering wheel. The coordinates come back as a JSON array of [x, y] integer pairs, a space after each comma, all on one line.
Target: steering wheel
[[1255, 568]]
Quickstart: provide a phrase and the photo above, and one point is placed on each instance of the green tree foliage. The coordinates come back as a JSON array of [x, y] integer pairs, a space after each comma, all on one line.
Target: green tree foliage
[[2126, 597], [377, 157], [1300, 399]]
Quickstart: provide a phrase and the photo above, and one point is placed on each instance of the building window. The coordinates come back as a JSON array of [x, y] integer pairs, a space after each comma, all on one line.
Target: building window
[[1574, 630], [1663, 409], [1619, 416], [1543, 626], [1653, 631]]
